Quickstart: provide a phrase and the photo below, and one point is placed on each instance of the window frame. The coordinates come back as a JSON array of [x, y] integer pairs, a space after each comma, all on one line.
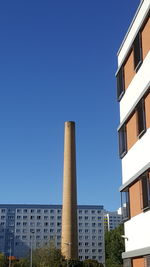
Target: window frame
[[140, 105], [122, 134], [120, 83]]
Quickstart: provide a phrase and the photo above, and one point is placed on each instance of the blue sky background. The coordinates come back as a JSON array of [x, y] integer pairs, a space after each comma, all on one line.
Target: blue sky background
[[58, 63]]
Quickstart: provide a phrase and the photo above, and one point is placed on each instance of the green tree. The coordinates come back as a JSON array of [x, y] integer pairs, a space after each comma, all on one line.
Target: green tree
[[3, 260], [92, 263], [114, 246], [48, 257]]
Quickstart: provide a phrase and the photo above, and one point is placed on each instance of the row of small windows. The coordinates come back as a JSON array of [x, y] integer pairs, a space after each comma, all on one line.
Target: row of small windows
[[87, 237], [88, 250], [32, 217], [87, 257], [47, 211], [86, 244], [38, 224], [93, 218], [89, 211], [139, 45]]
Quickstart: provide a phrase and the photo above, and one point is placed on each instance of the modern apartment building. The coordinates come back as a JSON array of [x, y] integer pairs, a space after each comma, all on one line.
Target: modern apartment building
[[133, 84], [112, 220], [38, 225]]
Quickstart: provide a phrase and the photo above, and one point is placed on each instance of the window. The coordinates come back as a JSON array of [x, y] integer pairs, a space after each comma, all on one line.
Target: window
[[46, 217], [137, 51], [38, 217], [51, 211], [86, 217], [122, 141], [18, 217], [120, 83], [86, 211], [86, 250], [86, 237], [93, 250], [125, 204], [86, 244], [45, 211], [145, 184], [86, 224], [3, 211], [25, 217], [39, 230], [80, 211], [25, 210], [32, 211], [127, 263], [141, 123], [38, 211]]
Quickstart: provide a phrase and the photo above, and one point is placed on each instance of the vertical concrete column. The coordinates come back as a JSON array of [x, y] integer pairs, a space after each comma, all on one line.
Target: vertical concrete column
[[69, 239]]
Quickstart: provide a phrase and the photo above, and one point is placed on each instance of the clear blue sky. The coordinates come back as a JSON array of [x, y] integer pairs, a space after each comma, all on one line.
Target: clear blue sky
[[58, 63]]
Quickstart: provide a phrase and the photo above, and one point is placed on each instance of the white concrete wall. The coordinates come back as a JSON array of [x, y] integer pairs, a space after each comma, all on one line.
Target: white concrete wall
[[133, 31], [136, 87], [136, 158], [137, 229]]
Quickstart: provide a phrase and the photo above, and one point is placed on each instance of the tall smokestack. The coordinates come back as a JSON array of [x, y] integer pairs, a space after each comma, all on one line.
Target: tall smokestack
[[69, 239]]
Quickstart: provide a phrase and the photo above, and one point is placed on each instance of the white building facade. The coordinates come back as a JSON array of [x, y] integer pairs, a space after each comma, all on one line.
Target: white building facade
[[133, 84], [40, 225]]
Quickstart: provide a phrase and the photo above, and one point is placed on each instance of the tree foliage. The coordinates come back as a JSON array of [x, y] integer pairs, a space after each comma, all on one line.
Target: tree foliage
[[92, 263], [49, 256], [114, 246]]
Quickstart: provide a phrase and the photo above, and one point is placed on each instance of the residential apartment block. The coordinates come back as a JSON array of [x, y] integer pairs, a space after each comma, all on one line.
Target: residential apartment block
[[39, 225], [112, 220], [133, 84]]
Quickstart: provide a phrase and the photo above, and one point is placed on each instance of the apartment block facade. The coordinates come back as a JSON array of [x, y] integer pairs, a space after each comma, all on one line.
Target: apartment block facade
[[112, 220], [39, 225], [133, 85]]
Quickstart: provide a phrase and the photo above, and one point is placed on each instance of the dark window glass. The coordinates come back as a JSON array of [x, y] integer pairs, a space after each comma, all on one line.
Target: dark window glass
[[127, 263], [145, 181], [141, 118], [125, 204], [147, 259], [122, 141], [137, 52], [120, 83]]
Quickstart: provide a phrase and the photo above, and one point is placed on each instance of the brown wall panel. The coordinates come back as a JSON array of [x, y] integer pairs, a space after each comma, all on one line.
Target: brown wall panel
[[129, 70], [147, 110], [131, 131], [145, 35], [135, 199], [140, 262]]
